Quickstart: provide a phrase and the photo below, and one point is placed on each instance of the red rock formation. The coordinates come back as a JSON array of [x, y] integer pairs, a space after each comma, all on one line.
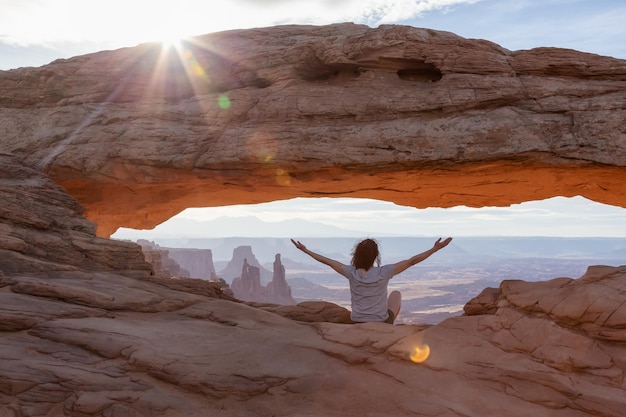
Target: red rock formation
[[86, 330], [309, 311], [241, 256], [248, 287], [413, 116], [42, 229], [581, 305], [278, 291]]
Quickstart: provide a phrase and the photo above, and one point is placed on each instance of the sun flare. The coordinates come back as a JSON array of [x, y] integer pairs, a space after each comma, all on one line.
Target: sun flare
[[171, 41], [420, 353]]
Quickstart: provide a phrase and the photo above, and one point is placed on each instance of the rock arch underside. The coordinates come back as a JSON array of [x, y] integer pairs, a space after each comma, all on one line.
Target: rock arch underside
[[418, 117]]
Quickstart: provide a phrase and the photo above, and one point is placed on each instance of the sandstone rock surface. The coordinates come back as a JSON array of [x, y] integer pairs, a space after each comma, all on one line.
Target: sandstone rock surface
[[414, 116], [94, 334], [42, 229]]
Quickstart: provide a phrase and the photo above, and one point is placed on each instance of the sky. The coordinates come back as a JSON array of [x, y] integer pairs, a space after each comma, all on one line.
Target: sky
[[36, 32]]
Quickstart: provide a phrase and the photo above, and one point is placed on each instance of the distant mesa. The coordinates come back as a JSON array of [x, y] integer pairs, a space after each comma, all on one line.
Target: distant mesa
[[234, 267], [160, 260], [199, 262], [165, 263], [247, 284]]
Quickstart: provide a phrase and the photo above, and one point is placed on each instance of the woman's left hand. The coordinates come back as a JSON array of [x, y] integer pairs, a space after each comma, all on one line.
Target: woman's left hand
[[298, 245]]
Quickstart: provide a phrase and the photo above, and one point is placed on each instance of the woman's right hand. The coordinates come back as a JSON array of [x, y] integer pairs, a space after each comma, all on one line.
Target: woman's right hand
[[439, 244]]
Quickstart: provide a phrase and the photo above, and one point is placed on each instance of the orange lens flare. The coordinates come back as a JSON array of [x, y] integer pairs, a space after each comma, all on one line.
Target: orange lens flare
[[191, 63], [262, 146], [283, 178], [420, 353]]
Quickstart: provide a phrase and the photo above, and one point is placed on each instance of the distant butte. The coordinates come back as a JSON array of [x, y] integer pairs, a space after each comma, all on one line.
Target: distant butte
[[414, 116]]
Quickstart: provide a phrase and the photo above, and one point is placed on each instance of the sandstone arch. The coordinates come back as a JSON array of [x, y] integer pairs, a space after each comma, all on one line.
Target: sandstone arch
[[414, 116]]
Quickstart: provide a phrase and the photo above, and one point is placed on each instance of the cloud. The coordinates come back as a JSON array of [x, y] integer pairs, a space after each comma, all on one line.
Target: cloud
[[50, 29], [28, 22], [577, 24]]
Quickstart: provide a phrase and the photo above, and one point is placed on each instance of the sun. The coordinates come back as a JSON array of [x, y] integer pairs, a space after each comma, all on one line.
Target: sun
[[171, 41]]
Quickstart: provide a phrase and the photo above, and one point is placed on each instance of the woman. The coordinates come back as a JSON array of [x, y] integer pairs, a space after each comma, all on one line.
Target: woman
[[368, 283]]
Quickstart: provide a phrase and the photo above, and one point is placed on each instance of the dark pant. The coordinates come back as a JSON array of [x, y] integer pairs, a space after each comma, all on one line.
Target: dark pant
[[390, 319]]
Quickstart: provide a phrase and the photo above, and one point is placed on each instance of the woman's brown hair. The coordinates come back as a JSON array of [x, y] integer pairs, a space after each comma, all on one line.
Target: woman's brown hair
[[365, 253]]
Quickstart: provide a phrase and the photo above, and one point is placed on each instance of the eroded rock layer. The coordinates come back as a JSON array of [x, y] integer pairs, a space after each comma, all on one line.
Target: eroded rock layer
[[86, 330], [414, 116]]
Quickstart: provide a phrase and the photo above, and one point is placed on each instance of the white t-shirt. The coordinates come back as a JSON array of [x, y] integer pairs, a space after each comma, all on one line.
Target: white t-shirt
[[368, 292]]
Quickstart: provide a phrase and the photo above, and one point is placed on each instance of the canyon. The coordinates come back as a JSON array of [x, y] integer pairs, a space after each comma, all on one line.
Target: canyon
[[409, 115]]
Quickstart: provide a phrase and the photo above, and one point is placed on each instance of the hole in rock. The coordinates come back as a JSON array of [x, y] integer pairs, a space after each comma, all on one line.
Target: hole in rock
[[330, 73], [410, 69], [419, 74], [532, 241]]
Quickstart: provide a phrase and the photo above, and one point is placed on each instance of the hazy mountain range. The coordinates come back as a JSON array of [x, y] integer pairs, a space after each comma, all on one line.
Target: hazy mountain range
[[462, 250], [435, 289], [249, 226]]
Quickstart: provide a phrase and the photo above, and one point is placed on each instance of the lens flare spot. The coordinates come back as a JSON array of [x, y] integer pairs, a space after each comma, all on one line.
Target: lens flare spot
[[420, 353], [223, 102], [193, 67], [282, 177], [196, 69], [262, 147]]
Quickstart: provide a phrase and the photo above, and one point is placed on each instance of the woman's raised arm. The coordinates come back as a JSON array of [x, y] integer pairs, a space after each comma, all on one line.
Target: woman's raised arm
[[336, 265], [403, 265]]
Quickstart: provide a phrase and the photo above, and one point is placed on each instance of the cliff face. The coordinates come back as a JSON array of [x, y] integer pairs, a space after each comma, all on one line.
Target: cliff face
[[199, 262], [42, 230], [413, 116]]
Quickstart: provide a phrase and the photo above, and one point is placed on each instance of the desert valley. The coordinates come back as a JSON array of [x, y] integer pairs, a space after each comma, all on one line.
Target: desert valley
[[432, 291]]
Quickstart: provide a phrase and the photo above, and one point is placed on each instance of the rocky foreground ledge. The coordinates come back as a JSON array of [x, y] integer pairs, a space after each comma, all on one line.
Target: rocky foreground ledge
[[86, 330]]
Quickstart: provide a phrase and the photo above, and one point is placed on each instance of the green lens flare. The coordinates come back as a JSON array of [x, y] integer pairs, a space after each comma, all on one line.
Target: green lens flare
[[223, 102]]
